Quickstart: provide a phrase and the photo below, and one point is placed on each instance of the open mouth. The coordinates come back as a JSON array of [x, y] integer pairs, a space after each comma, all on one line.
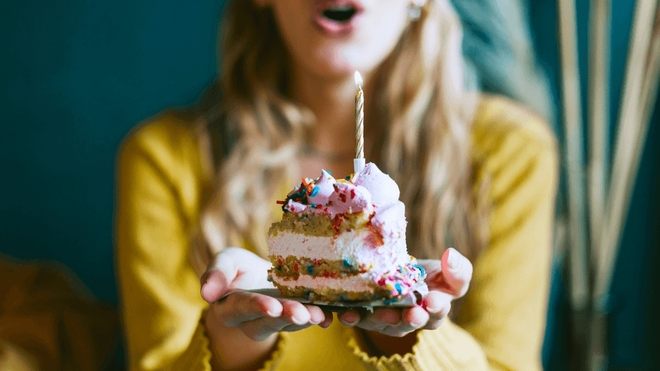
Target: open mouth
[[340, 13], [337, 17]]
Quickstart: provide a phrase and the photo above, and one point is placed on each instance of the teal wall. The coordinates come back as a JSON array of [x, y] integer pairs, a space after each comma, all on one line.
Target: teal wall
[[76, 75], [634, 297]]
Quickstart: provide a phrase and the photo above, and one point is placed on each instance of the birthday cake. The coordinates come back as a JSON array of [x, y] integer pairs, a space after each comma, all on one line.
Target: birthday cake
[[343, 240]]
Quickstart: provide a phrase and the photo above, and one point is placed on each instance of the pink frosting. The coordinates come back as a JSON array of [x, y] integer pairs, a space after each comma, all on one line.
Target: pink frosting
[[370, 191], [382, 188], [348, 198], [295, 207], [390, 219], [326, 188]]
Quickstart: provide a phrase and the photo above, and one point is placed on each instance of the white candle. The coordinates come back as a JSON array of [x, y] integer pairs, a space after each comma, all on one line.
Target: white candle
[[358, 162]]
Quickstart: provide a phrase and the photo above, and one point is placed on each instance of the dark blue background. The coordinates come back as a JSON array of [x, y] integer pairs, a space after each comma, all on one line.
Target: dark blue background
[[76, 75]]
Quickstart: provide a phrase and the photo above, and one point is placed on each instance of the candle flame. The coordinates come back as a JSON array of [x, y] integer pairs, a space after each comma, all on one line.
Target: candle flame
[[358, 80]]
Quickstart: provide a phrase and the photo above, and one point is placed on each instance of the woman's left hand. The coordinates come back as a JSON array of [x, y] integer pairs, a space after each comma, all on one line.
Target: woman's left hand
[[448, 279]]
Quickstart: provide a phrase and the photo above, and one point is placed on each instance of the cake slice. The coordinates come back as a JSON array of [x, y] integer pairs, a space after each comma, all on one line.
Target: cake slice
[[343, 240]]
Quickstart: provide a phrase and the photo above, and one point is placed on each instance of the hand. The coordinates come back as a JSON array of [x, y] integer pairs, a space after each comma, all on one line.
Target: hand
[[257, 316], [448, 279]]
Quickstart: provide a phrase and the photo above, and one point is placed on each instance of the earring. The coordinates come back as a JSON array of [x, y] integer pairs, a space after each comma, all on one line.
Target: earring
[[415, 9]]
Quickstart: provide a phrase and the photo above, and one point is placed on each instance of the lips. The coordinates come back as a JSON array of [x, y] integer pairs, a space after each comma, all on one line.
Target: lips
[[337, 17]]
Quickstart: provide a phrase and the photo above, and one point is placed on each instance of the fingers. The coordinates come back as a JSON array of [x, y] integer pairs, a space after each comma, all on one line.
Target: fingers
[[388, 321], [259, 316], [215, 284], [437, 305], [456, 273], [233, 268], [219, 275], [327, 320], [294, 317], [400, 322], [350, 318], [241, 307]]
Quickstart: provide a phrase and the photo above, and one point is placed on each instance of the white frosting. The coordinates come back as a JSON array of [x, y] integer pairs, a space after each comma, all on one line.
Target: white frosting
[[357, 247]]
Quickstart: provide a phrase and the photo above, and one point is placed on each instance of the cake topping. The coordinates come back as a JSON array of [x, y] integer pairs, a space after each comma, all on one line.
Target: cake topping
[[348, 198], [322, 189], [382, 188], [390, 219], [370, 191]]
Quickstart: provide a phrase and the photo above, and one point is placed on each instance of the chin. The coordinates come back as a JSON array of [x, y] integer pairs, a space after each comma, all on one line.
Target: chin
[[342, 61]]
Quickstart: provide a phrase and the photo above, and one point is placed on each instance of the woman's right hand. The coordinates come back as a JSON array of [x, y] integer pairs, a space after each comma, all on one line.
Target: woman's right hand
[[242, 327], [257, 316]]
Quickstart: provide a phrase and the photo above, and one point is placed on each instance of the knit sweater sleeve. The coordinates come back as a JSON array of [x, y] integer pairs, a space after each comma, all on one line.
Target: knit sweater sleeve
[[502, 318], [160, 301], [516, 157]]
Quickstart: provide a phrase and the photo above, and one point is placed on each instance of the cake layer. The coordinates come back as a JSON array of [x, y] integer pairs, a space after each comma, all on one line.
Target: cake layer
[[316, 223], [357, 287], [292, 266], [357, 247], [372, 283]]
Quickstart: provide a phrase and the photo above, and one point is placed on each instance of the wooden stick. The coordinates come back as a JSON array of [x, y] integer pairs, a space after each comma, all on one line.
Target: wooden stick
[[573, 134], [631, 131], [599, 122], [599, 117], [650, 87]]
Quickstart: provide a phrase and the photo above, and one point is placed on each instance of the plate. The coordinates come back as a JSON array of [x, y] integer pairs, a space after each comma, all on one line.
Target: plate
[[411, 300]]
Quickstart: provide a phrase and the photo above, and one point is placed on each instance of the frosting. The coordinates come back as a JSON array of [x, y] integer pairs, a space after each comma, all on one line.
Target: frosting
[[390, 219], [348, 198], [323, 188], [370, 191], [383, 189]]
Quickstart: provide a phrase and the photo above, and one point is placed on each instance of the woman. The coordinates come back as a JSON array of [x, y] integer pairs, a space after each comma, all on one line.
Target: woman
[[196, 195]]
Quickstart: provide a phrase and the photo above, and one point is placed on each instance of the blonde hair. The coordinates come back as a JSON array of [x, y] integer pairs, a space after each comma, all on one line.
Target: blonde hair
[[420, 114]]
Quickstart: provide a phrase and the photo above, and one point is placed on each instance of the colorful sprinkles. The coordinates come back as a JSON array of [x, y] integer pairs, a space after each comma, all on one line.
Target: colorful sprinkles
[[401, 280], [307, 188]]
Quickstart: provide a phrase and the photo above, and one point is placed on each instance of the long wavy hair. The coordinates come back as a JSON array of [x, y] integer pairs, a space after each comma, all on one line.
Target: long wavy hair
[[420, 115]]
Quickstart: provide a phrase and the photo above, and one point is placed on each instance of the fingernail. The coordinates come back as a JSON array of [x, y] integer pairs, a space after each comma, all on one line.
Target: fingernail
[[273, 314], [298, 321], [349, 322], [202, 291], [432, 309], [453, 259], [415, 324]]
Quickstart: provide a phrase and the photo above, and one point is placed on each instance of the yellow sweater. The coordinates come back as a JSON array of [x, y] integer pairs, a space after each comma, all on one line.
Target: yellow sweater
[[500, 326]]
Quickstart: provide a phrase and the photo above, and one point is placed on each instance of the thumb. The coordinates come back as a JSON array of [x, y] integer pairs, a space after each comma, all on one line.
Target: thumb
[[217, 279], [456, 271]]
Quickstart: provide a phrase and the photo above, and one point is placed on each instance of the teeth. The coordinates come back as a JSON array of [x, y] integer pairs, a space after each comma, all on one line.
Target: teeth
[[341, 8]]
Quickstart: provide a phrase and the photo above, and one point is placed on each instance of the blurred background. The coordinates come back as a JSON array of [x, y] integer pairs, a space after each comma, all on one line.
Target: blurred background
[[77, 75]]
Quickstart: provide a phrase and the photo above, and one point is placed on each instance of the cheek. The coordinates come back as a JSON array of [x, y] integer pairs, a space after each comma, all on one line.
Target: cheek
[[383, 37], [376, 40]]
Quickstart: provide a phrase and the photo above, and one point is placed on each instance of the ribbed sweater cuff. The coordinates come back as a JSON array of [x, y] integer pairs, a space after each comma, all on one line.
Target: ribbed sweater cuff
[[448, 348], [198, 355], [276, 355]]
